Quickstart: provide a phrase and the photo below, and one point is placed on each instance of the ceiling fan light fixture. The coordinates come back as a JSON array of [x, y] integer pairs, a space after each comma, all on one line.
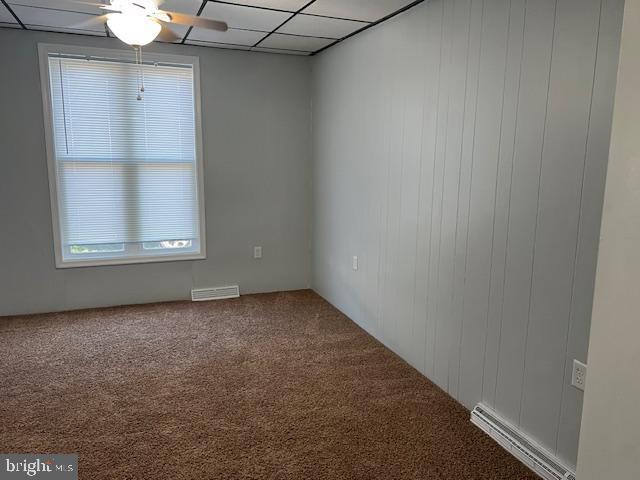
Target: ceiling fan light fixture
[[135, 30]]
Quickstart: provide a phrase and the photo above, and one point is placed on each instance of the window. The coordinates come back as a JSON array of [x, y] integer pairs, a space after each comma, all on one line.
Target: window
[[125, 174]]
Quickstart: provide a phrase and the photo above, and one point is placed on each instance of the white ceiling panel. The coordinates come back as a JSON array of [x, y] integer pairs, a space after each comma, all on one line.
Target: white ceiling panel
[[217, 45], [181, 6], [273, 50], [99, 33], [67, 5], [56, 19], [323, 22], [313, 26], [245, 17], [369, 10], [293, 42], [237, 37], [288, 5], [5, 16]]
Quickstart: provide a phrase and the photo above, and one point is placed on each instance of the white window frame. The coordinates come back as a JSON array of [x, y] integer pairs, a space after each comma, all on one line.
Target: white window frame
[[44, 49]]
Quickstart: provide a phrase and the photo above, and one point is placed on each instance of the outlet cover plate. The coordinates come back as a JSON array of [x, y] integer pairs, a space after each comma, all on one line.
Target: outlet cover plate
[[579, 375]]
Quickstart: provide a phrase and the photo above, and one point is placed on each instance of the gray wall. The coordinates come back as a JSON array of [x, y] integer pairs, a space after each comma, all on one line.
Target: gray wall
[[460, 152], [256, 136]]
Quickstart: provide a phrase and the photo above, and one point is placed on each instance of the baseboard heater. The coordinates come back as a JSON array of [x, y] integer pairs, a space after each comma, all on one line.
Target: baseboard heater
[[525, 450], [215, 293]]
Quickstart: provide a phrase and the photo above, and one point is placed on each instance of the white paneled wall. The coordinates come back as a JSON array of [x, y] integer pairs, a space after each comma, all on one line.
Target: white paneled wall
[[460, 152]]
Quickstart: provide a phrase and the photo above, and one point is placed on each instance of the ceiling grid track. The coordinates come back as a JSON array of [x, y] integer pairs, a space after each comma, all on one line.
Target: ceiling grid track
[[204, 4], [391, 15], [283, 23], [10, 10], [325, 36]]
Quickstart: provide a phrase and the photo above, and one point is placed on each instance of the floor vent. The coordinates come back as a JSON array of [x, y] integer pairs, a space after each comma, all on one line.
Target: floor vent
[[215, 293], [525, 450]]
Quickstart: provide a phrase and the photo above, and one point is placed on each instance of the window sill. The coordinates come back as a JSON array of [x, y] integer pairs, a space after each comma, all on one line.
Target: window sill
[[102, 262]]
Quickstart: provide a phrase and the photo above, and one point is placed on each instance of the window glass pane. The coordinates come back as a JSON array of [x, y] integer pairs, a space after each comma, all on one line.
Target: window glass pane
[[100, 248], [125, 170], [168, 244]]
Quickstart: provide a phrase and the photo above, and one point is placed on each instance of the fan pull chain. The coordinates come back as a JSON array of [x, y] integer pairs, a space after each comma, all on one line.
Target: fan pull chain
[[135, 49], [138, 51], [141, 73]]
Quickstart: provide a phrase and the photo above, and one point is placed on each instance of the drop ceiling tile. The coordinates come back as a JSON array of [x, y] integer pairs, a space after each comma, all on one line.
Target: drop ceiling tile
[[244, 17], [288, 5], [5, 16], [56, 19], [236, 37], [293, 42], [67, 5], [274, 50], [313, 26], [369, 10], [67, 30], [217, 45], [190, 7], [89, 6]]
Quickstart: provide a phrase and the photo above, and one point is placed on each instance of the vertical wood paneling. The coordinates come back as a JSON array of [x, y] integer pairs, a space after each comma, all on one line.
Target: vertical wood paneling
[[482, 199], [451, 180], [449, 150], [589, 227], [503, 196], [395, 126], [409, 201], [437, 368], [359, 149], [384, 133], [464, 182], [374, 114], [532, 110], [425, 90], [423, 322], [574, 48]]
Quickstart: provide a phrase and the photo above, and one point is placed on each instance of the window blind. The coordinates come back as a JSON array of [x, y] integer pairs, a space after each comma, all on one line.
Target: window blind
[[126, 170]]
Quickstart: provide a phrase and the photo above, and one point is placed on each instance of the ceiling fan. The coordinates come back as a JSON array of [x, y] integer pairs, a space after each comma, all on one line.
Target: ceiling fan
[[139, 22]]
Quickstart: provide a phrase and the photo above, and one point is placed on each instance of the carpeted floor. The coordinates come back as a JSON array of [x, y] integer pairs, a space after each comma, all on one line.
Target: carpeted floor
[[273, 386]]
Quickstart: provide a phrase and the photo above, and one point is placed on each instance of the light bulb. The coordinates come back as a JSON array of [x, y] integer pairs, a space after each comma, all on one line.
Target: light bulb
[[136, 30]]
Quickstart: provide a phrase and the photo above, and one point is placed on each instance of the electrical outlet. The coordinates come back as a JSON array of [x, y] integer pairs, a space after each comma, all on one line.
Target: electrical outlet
[[354, 262], [257, 252], [579, 376]]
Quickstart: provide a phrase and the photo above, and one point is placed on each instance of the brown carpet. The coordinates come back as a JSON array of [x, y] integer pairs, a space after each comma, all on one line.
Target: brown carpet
[[273, 386]]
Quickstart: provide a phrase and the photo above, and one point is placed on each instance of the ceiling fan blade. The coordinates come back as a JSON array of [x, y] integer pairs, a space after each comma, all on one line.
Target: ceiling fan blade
[[167, 35], [109, 8], [192, 20]]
